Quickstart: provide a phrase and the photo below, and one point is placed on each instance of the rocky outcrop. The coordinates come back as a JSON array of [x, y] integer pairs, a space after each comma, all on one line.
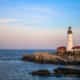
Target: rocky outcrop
[[40, 57], [41, 72], [27, 57], [46, 57], [59, 72], [67, 71]]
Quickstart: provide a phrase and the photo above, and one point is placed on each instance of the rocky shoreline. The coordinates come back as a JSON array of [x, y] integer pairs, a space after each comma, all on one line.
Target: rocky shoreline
[[52, 58], [59, 72], [67, 58]]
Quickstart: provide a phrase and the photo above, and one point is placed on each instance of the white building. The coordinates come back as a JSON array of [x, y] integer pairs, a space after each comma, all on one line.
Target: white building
[[69, 40]]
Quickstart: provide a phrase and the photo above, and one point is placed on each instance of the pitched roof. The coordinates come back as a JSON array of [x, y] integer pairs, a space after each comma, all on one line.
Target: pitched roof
[[61, 47], [76, 47]]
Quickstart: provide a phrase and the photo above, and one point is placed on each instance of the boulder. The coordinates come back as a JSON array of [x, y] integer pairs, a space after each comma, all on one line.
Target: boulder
[[67, 71], [41, 72]]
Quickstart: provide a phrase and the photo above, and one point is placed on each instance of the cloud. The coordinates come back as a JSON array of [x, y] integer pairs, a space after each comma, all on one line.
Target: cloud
[[8, 20]]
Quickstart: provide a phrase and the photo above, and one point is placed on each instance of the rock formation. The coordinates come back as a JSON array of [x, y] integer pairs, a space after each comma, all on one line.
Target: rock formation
[[56, 58], [59, 72], [41, 72], [67, 71], [44, 56]]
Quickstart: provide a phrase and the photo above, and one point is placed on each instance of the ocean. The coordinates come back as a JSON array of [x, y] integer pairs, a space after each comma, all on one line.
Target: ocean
[[12, 68]]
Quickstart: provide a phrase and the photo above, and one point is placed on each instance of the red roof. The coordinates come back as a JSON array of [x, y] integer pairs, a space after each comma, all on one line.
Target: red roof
[[76, 47], [61, 47]]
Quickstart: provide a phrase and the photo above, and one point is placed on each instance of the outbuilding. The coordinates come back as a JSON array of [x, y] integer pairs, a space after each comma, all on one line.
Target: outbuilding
[[76, 48], [61, 49]]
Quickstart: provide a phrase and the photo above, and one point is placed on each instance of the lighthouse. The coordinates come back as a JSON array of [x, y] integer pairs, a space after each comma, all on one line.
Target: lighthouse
[[69, 39]]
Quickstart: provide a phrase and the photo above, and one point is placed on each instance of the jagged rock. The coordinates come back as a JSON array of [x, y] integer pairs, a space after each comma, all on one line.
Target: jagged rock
[[46, 57]]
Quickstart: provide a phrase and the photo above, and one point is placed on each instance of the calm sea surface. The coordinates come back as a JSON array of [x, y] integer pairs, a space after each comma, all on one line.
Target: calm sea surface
[[12, 68]]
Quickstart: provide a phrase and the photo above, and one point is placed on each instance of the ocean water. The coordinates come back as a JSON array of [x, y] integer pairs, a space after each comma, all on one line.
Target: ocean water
[[12, 68]]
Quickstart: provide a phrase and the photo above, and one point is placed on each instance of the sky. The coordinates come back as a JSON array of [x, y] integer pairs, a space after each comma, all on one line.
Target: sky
[[38, 24]]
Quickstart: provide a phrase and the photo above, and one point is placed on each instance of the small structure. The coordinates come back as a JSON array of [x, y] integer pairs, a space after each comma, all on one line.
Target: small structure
[[61, 49], [76, 48]]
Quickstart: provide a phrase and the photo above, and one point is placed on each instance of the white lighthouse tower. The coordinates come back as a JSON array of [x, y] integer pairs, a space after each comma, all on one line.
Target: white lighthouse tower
[[70, 40]]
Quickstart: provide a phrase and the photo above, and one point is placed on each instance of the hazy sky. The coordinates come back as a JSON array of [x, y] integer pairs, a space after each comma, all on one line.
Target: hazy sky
[[38, 24]]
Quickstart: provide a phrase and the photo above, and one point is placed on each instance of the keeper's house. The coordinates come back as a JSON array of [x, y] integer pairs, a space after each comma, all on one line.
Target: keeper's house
[[76, 48], [61, 49]]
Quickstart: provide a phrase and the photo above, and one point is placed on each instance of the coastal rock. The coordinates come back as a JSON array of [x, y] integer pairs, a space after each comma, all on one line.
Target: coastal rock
[[44, 56], [27, 57], [59, 72], [41, 72], [49, 58], [67, 71]]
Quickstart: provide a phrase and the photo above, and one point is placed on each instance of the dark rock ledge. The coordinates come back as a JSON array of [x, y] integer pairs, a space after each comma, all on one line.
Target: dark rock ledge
[[67, 72], [59, 72], [41, 72]]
